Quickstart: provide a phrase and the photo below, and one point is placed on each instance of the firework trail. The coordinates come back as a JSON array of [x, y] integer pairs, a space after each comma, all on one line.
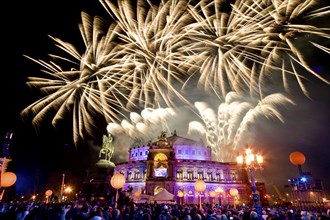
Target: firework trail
[[225, 130], [142, 127]]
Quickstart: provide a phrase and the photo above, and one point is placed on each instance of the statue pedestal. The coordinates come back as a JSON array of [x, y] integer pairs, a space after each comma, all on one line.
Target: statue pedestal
[[102, 163]]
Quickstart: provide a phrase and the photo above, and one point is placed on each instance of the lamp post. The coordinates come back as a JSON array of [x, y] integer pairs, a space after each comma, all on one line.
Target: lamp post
[[62, 186], [200, 187], [219, 191], [48, 194], [252, 162], [234, 192], [298, 159], [117, 181], [180, 195], [137, 194], [7, 179], [213, 195], [67, 191]]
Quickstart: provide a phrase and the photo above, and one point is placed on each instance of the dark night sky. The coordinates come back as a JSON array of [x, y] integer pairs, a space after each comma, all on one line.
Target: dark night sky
[[25, 31]]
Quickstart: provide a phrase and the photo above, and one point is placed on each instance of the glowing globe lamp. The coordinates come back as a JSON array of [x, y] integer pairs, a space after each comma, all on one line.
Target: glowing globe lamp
[[180, 195], [117, 181], [233, 192], [200, 187], [297, 158], [8, 179], [49, 192], [213, 193]]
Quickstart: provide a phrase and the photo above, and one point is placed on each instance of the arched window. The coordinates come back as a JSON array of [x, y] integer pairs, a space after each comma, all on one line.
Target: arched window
[[137, 175], [160, 157], [145, 174], [179, 175], [209, 175], [200, 174], [233, 175], [190, 175]]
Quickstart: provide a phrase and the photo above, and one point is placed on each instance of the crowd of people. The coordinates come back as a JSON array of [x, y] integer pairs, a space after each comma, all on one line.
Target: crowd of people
[[98, 210]]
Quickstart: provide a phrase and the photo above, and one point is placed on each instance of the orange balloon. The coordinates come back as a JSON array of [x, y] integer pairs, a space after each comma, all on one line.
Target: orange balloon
[[8, 179], [117, 181], [49, 192], [180, 194], [137, 193], [233, 192], [297, 158], [200, 185], [213, 193]]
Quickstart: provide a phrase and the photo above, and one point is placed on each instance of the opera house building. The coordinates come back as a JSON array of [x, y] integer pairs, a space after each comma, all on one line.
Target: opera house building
[[174, 164]]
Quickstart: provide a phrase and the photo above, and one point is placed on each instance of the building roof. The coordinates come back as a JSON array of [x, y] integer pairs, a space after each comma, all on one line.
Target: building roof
[[179, 140]]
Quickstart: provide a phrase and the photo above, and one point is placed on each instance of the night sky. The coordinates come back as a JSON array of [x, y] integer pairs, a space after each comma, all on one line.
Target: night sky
[[45, 153], [39, 153]]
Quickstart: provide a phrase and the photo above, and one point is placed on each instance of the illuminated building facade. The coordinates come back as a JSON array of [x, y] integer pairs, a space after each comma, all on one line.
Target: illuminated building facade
[[175, 163], [307, 191]]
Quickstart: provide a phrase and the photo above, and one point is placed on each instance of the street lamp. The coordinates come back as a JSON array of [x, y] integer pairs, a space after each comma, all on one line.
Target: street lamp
[[298, 159], [137, 194], [219, 191], [234, 192], [7, 179], [200, 187], [117, 181], [48, 194], [180, 195], [213, 195], [62, 186], [67, 191], [252, 162]]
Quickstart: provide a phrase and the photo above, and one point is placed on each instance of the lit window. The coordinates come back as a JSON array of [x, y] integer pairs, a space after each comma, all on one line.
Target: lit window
[[144, 174], [179, 174], [137, 175], [190, 175], [218, 176], [209, 175], [200, 175], [233, 176], [160, 156]]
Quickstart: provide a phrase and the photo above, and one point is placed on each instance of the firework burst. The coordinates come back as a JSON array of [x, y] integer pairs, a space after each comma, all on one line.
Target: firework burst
[[247, 47], [149, 52], [88, 88], [150, 37], [141, 128]]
